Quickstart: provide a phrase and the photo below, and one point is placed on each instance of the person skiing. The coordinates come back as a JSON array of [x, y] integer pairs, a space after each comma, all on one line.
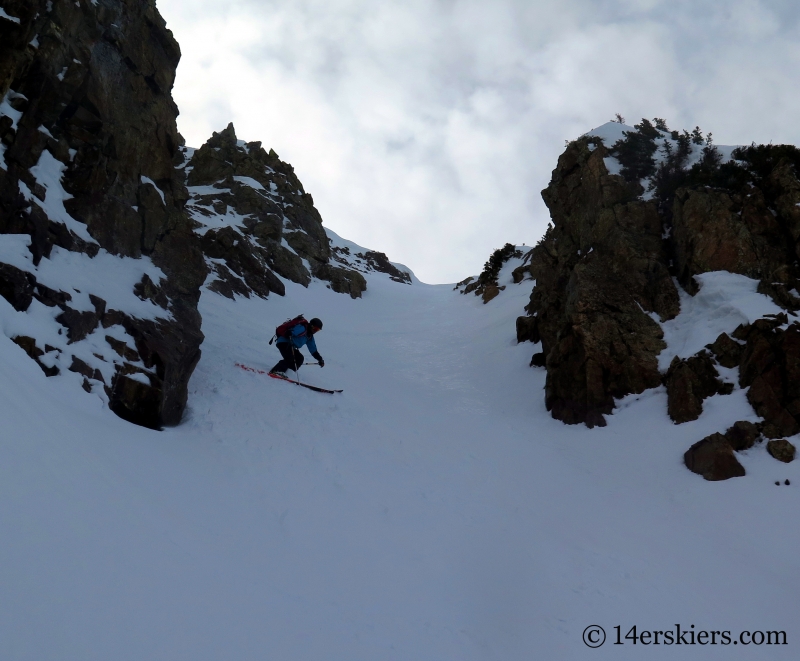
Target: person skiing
[[291, 337]]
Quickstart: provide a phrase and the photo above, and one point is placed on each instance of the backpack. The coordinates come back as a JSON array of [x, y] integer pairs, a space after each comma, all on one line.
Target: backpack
[[284, 329]]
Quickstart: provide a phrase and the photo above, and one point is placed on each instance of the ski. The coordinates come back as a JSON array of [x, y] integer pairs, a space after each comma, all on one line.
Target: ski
[[305, 385], [286, 378]]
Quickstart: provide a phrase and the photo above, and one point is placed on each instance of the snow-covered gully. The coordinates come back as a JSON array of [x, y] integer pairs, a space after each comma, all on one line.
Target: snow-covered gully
[[433, 510]]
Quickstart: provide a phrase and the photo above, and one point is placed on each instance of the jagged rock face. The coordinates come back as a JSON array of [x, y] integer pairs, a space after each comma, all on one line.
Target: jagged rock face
[[607, 263], [370, 260], [716, 230], [599, 271], [689, 381], [252, 214], [770, 367], [727, 351], [88, 132]]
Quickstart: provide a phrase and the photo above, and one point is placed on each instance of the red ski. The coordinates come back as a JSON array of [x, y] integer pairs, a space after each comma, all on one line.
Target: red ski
[[286, 378]]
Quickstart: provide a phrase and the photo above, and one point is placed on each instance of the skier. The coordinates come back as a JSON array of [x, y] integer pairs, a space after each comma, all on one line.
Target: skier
[[291, 336]]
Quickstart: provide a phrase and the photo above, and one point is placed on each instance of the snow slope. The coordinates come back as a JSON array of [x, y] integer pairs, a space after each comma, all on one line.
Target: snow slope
[[432, 511]]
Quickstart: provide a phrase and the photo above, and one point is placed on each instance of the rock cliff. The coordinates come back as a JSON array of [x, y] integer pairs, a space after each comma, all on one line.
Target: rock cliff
[[601, 276], [110, 225], [87, 180], [257, 224], [633, 220]]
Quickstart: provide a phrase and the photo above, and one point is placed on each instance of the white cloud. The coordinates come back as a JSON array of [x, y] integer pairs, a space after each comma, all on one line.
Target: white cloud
[[426, 129]]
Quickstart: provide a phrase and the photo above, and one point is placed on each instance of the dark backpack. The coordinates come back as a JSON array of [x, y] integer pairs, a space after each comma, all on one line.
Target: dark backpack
[[284, 329]]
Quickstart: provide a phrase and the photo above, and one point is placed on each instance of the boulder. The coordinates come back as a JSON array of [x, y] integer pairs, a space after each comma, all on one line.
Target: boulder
[[245, 259], [227, 284], [742, 435], [486, 285], [520, 273], [782, 450], [713, 458], [490, 292]]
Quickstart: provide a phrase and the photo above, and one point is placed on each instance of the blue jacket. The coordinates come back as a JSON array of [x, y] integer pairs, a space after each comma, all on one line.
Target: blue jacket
[[300, 338]]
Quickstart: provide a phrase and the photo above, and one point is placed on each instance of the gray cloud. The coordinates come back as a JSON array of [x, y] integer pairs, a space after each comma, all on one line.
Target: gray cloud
[[426, 129]]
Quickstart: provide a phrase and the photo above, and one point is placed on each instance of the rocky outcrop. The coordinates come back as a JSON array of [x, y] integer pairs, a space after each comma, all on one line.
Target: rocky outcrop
[[689, 381], [486, 285], [88, 132], [604, 270], [719, 230], [601, 276], [256, 222], [370, 260], [727, 351], [342, 280], [770, 368]]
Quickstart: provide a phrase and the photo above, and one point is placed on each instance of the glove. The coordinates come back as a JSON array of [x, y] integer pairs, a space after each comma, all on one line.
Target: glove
[[319, 359]]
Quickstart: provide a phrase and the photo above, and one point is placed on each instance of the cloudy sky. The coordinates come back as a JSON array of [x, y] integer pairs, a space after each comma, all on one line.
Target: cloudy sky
[[426, 129]]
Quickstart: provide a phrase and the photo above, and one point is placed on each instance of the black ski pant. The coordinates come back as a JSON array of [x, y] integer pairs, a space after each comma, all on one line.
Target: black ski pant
[[292, 358]]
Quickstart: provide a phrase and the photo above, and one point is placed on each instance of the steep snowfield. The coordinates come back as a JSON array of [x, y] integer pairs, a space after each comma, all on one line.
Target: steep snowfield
[[432, 511]]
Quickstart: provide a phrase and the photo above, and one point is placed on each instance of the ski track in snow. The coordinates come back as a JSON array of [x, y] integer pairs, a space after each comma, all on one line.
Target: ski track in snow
[[433, 510]]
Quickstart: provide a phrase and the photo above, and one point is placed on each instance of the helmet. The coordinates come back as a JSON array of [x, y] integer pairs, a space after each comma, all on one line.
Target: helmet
[[316, 323]]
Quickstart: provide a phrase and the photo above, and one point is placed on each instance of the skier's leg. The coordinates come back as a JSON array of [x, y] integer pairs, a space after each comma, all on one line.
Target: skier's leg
[[297, 359], [287, 358]]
